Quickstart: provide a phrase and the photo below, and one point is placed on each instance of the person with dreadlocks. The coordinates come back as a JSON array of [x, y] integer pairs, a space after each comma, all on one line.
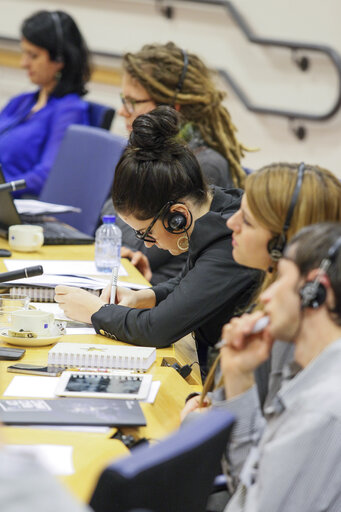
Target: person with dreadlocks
[[165, 74]]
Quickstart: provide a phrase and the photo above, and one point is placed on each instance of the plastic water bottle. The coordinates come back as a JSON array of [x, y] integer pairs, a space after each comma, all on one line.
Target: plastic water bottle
[[108, 245]]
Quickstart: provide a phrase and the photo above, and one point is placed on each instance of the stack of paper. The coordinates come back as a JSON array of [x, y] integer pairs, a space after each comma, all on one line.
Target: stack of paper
[[34, 207]]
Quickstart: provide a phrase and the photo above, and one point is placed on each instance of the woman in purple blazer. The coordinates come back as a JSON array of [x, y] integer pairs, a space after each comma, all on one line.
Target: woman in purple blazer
[[32, 125]]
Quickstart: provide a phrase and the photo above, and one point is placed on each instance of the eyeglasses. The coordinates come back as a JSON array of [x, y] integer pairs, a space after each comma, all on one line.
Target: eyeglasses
[[129, 103], [145, 235]]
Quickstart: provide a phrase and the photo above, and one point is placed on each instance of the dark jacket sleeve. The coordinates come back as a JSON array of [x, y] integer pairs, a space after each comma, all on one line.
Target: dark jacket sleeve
[[183, 303]]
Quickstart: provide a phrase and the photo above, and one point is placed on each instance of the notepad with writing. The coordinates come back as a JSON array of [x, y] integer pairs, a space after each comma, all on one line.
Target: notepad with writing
[[86, 355]]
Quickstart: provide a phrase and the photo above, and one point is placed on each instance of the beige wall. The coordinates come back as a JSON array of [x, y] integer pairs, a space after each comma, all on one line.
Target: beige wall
[[268, 75]]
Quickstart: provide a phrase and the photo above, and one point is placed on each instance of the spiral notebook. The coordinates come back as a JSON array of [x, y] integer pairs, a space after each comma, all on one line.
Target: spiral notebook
[[85, 355], [38, 293]]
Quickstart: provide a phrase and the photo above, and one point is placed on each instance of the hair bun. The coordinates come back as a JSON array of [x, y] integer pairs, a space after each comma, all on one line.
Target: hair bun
[[155, 132]]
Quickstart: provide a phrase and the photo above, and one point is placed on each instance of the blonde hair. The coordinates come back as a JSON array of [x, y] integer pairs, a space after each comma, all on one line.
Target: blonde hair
[[158, 68], [269, 192]]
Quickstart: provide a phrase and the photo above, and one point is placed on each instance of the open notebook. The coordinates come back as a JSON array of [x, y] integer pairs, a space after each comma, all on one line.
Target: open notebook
[[55, 233], [82, 274]]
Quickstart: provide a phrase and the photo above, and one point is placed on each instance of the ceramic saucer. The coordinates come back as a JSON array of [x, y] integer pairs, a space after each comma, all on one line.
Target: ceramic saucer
[[39, 341]]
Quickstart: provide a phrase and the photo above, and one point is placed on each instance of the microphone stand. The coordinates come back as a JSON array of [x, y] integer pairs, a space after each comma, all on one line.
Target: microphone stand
[[11, 186]]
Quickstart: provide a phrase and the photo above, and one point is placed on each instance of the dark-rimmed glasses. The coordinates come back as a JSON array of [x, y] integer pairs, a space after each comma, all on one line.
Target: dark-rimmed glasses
[[145, 235], [129, 103]]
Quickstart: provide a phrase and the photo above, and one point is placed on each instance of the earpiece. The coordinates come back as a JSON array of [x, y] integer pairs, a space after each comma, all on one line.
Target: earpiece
[[59, 36], [277, 244], [176, 222], [313, 294]]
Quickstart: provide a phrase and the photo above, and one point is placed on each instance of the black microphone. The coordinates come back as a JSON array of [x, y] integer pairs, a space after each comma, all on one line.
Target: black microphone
[[13, 185], [21, 273]]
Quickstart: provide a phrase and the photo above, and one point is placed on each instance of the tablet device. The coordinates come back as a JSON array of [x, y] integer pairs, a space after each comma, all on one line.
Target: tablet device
[[104, 385]]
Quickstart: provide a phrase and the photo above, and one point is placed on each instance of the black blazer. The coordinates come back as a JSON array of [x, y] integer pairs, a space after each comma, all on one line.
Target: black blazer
[[211, 288]]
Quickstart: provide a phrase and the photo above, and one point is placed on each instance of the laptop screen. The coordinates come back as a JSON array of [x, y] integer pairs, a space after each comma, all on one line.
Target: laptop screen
[[55, 232], [8, 211]]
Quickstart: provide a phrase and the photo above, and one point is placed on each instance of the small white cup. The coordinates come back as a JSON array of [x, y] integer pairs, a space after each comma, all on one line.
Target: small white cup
[[25, 237], [39, 322]]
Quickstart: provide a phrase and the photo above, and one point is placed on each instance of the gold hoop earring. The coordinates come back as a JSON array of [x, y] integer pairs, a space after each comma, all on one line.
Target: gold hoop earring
[[183, 243]]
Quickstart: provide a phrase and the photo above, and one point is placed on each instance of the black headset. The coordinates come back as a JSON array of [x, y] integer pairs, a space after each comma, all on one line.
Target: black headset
[[59, 36], [313, 294], [175, 222], [277, 244], [183, 72], [182, 76]]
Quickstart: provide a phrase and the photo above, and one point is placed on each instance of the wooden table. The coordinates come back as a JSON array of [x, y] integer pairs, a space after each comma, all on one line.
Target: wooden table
[[93, 451]]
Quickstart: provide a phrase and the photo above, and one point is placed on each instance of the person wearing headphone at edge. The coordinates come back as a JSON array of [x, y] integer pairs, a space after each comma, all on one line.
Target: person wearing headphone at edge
[[159, 190], [33, 124], [164, 74], [267, 219], [294, 464]]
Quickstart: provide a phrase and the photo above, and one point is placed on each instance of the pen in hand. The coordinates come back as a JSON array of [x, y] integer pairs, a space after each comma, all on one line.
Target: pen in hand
[[113, 287], [258, 327]]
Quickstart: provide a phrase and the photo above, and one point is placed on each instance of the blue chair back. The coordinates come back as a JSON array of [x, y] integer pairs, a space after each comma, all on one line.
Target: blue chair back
[[100, 116], [174, 475], [82, 174]]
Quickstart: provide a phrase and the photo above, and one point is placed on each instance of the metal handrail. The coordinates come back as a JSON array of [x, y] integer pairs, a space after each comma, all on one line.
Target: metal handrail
[[332, 54]]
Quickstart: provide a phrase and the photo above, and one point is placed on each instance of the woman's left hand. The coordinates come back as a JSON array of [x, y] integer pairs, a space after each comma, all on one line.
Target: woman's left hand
[[76, 303]]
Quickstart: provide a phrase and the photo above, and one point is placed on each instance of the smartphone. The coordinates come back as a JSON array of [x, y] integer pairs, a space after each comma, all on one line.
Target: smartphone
[[11, 354], [50, 371]]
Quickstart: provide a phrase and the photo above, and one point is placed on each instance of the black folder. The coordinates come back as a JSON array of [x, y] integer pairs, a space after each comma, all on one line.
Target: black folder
[[72, 411]]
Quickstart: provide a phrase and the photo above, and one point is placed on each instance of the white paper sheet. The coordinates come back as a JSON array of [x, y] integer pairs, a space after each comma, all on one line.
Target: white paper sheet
[[51, 281], [32, 386], [154, 389], [80, 330], [34, 207], [57, 459], [63, 267]]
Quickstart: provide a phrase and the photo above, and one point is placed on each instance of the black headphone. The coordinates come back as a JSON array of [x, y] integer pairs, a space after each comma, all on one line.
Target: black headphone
[[182, 76], [183, 72], [313, 294], [175, 222], [277, 244], [59, 36]]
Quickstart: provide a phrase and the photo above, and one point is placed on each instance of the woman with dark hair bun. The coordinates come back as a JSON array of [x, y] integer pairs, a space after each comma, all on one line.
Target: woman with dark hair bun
[[33, 124], [159, 190]]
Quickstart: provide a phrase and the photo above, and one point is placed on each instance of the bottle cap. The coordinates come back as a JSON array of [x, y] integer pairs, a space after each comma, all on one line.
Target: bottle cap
[[108, 219]]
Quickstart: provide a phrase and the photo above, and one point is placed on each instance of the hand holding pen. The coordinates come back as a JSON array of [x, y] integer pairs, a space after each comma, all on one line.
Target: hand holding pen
[[259, 326], [113, 284], [246, 343]]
